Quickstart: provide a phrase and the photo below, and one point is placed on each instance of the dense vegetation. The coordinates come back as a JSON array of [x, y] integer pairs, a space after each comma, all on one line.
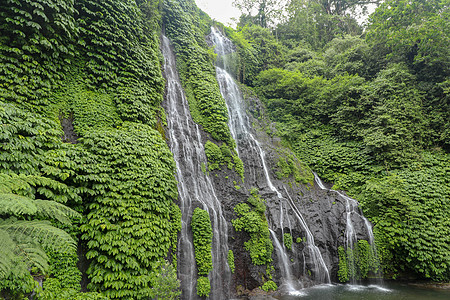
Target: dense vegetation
[[366, 107], [202, 238], [251, 219], [85, 170], [93, 69]]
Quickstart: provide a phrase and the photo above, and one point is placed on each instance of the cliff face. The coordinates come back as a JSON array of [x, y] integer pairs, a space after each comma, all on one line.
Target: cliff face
[[324, 212], [281, 224]]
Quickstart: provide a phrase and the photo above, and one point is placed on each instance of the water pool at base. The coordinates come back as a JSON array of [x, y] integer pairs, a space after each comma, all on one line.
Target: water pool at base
[[387, 291]]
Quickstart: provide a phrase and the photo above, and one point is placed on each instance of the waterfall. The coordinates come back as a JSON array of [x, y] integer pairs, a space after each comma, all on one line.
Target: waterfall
[[351, 209], [194, 187], [241, 130]]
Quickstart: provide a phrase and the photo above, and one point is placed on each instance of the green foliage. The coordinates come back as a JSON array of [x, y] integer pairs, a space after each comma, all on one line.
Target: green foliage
[[64, 280], [214, 155], [407, 209], [98, 65], [288, 165], [35, 48], [257, 50], [343, 265], [91, 109], [269, 286], [252, 220], [267, 11], [356, 263], [130, 221], [175, 228], [202, 237], [165, 283], [218, 156], [25, 240], [287, 240], [414, 31], [203, 286], [196, 68], [230, 259], [24, 138], [318, 22], [298, 240]]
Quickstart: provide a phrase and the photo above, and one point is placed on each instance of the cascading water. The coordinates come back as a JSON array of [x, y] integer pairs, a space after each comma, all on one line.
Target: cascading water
[[241, 130], [194, 187], [351, 211]]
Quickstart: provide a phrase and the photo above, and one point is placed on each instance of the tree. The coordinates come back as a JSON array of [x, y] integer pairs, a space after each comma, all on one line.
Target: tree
[[319, 21], [343, 7], [267, 11], [415, 32]]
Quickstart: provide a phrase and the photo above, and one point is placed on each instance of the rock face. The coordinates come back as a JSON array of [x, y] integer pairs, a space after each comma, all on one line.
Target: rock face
[[296, 205], [299, 207], [324, 212]]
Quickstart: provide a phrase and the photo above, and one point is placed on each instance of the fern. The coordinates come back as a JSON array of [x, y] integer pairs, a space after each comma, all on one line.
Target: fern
[[56, 211], [33, 255], [23, 242], [42, 231], [6, 254], [11, 204]]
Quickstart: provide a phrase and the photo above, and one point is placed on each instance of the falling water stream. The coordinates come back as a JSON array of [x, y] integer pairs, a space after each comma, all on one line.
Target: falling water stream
[[194, 187], [351, 209], [241, 130]]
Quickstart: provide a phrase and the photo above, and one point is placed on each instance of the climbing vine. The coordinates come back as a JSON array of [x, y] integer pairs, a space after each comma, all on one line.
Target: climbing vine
[[230, 258], [218, 156], [202, 232], [287, 239], [186, 30], [130, 216], [251, 219]]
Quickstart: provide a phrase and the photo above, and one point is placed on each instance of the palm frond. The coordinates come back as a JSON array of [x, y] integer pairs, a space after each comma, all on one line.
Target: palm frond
[[6, 254], [11, 204], [40, 231]]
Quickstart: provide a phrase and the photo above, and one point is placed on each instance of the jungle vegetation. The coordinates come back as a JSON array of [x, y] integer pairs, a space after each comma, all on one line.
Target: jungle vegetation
[[87, 187]]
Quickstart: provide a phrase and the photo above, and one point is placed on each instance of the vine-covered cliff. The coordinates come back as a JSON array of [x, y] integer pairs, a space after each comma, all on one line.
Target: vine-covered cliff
[[134, 166]]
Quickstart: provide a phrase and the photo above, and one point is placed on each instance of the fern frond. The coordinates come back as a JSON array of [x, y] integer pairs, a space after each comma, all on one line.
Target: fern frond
[[28, 185], [33, 255], [55, 210], [6, 254], [40, 231], [16, 184], [16, 205], [11, 204]]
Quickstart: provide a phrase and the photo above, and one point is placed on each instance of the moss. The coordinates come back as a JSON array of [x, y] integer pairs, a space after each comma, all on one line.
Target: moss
[[269, 286]]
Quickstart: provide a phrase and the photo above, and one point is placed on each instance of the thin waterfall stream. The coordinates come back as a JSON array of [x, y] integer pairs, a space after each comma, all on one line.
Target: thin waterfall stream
[[351, 209], [194, 186], [241, 130]]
